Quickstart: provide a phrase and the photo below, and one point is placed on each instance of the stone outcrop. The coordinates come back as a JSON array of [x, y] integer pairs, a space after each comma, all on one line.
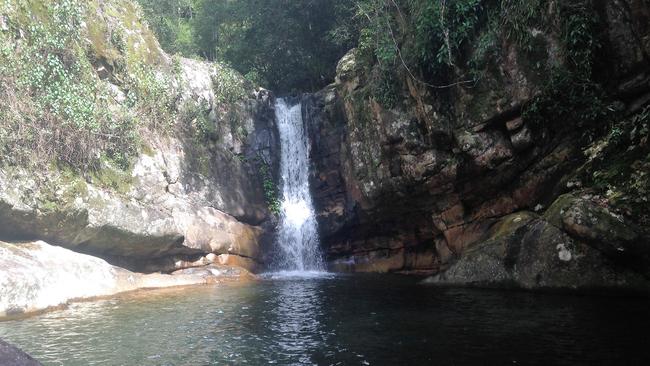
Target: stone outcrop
[[185, 195], [420, 186], [163, 208], [524, 250], [10, 355], [37, 276]]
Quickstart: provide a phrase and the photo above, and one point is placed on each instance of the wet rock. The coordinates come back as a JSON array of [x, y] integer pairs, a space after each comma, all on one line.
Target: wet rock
[[413, 260], [437, 169], [487, 150], [514, 124], [217, 273], [522, 139], [231, 260], [12, 356]]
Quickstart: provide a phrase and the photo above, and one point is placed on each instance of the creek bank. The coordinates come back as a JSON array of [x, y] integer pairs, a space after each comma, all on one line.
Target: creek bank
[[37, 276]]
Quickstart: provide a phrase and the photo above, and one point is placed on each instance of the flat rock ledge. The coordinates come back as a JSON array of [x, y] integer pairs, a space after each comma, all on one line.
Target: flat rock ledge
[[36, 276]]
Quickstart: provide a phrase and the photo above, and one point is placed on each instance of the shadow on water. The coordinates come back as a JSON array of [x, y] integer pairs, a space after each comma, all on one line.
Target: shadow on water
[[339, 320]]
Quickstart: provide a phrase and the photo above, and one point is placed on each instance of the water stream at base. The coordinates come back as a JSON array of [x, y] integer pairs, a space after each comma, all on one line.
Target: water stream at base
[[298, 233]]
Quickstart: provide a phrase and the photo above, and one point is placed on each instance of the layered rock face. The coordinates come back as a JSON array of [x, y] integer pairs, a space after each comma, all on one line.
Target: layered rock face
[[431, 184], [195, 188]]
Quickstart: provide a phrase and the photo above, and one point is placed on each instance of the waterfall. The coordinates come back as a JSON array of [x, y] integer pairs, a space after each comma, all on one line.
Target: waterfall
[[298, 233]]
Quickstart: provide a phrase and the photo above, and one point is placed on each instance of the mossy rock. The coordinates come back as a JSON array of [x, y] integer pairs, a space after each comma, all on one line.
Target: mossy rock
[[533, 254], [585, 220], [113, 178]]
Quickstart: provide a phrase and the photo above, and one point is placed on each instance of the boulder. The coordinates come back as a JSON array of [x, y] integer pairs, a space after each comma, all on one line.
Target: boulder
[[159, 209], [587, 220], [526, 251], [12, 356]]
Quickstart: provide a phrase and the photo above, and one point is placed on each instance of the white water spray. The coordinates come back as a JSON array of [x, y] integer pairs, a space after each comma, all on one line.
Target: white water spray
[[298, 233]]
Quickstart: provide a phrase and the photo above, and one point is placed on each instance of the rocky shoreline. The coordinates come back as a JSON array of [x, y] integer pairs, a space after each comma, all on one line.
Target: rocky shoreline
[[37, 277]]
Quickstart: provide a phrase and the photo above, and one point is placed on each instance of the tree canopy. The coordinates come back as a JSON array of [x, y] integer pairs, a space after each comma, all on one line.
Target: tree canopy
[[285, 45]]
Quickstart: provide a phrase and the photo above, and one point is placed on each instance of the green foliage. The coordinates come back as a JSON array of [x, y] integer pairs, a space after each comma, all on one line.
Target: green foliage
[[619, 166], [285, 45], [376, 33], [171, 20], [578, 33], [430, 33], [151, 93], [229, 87], [517, 19], [270, 188], [567, 101], [424, 40], [442, 28], [385, 88], [570, 94], [55, 107], [196, 117]]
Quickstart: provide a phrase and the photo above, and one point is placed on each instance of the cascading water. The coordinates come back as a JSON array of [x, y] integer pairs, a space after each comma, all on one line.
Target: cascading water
[[298, 233]]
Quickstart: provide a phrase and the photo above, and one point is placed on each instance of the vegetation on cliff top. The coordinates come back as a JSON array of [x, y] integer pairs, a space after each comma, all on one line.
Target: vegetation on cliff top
[[81, 80], [55, 105]]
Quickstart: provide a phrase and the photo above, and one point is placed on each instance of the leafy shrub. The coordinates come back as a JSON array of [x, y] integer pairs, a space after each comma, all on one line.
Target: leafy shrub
[[229, 86], [270, 188]]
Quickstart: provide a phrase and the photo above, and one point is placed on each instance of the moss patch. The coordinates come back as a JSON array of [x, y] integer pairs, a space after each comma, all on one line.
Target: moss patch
[[113, 178]]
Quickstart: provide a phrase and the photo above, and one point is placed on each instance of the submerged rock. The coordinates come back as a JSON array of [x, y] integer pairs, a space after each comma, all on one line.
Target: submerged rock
[[12, 356], [35, 276]]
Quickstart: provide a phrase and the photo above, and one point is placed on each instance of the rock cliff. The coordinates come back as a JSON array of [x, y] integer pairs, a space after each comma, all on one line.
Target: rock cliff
[[196, 143], [507, 180]]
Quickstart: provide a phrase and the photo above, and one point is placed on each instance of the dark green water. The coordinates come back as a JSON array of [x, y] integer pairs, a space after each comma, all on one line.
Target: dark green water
[[343, 320]]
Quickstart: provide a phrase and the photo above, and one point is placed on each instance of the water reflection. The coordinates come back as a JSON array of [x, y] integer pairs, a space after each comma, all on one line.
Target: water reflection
[[297, 321]]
